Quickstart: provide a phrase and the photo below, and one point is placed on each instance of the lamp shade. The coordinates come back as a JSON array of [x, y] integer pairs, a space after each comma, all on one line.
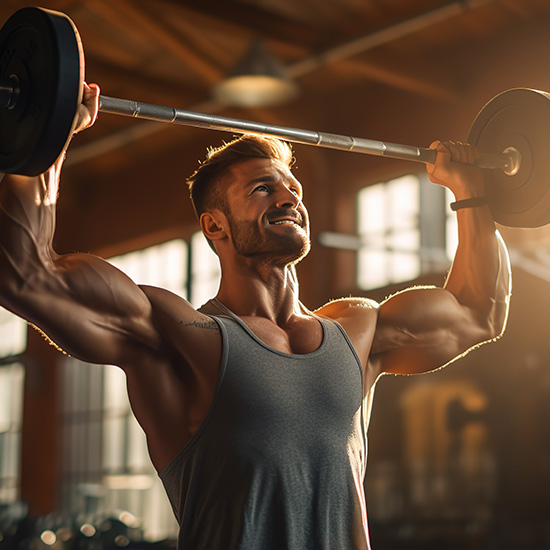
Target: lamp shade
[[257, 80]]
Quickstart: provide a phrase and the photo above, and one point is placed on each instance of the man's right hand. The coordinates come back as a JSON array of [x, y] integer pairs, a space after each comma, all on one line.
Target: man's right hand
[[85, 117], [87, 111]]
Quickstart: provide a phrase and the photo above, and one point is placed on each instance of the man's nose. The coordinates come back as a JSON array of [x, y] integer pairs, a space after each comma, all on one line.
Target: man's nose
[[286, 198]]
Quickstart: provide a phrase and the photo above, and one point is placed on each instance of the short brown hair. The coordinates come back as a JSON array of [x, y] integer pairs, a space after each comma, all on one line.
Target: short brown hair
[[205, 185]]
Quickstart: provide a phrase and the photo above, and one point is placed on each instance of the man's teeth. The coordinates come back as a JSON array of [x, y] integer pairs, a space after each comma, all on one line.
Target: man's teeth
[[281, 222]]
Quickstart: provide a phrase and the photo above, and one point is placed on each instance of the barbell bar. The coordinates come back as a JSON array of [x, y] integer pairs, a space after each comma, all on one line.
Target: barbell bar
[[41, 80], [508, 161]]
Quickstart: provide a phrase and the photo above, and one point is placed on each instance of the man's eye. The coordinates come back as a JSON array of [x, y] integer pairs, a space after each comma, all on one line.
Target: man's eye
[[261, 188], [295, 191]]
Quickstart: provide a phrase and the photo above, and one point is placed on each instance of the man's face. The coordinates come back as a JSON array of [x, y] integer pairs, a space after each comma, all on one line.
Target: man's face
[[266, 216]]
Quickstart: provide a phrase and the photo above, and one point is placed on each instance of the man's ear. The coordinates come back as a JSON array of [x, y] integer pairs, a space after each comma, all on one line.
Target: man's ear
[[213, 225]]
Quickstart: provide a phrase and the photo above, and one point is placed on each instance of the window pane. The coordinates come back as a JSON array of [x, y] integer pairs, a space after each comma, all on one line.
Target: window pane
[[13, 334], [113, 443], [372, 268], [205, 271], [115, 397], [138, 457], [404, 240], [11, 392], [388, 223], [103, 443], [403, 196], [163, 265], [5, 400], [372, 210], [451, 241], [12, 379], [403, 267]]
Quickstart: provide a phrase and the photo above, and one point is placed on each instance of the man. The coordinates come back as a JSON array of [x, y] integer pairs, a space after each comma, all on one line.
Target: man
[[255, 408]]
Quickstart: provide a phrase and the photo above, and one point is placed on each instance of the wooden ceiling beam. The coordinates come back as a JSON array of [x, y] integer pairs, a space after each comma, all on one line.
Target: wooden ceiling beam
[[154, 30], [518, 8], [215, 51], [397, 78], [133, 84], [256, 20]]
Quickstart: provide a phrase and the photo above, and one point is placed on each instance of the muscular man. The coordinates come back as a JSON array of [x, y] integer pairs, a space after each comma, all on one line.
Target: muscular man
[[254, 407]]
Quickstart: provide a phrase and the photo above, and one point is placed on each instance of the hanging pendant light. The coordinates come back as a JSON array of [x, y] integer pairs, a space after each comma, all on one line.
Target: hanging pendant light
[[257, 80]]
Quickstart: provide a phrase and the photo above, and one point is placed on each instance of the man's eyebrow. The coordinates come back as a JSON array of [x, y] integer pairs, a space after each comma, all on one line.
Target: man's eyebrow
[[259, 179]]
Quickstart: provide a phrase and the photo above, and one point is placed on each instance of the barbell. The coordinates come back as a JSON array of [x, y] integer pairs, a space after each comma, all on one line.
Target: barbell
[[41, 83]]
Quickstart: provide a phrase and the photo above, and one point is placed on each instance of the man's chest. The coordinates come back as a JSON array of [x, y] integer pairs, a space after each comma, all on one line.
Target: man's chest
[[302, 336]]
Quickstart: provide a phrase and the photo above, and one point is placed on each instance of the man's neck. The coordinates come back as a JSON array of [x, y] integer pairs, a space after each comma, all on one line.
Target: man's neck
[[270, 293]]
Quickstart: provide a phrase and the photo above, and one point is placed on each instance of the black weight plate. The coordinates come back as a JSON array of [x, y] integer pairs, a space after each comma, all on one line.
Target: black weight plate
[[42, 50], [517, 118]]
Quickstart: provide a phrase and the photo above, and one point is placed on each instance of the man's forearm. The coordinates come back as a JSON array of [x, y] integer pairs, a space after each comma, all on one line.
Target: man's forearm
[[27, 224], [480, 277], [27, 207]]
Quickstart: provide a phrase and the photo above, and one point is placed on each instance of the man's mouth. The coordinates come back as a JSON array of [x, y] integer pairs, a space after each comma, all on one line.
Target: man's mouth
[[285, 222]]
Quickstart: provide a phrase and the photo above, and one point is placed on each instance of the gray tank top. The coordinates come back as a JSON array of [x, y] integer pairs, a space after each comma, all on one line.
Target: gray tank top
[[279, 461]]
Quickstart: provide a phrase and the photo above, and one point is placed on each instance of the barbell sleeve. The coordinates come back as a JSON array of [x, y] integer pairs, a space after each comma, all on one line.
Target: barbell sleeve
[[9, 91], [158, 113]]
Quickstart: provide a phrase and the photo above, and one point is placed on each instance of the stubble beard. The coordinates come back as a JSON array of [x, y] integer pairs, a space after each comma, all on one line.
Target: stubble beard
[[279, 250]]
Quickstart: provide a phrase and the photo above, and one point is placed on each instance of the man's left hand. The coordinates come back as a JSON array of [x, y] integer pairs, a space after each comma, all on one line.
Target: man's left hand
[[454, 168]]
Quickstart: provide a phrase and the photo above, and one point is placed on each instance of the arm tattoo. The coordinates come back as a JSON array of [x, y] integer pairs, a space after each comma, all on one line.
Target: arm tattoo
[[209, 325]]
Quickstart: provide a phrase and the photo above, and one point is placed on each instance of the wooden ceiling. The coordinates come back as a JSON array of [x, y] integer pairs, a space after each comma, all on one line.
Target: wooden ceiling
[[401, 68], [174, 52]]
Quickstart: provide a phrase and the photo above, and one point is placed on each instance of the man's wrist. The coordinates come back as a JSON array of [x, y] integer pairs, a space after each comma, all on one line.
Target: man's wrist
[[472, 202]]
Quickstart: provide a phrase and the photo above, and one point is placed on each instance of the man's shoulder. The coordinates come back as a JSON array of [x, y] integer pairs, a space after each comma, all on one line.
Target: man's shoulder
[[172, 310], [349, 307], [184, 331], [165, 299], [358, 317]]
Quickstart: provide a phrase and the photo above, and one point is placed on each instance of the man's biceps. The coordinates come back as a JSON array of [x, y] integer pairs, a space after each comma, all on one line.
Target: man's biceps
[[389, 336], [415, 327]]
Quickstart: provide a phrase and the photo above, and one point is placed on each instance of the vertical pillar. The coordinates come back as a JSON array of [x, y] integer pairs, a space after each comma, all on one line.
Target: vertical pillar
[[41, 436]]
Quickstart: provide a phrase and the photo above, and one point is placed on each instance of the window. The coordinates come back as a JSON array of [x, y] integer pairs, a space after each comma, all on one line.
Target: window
[[163, 265], [389, 227], [402, 231], [205, 271], [11, 413], [451, 230], [13, 334], [13, 341], [106, 465]]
